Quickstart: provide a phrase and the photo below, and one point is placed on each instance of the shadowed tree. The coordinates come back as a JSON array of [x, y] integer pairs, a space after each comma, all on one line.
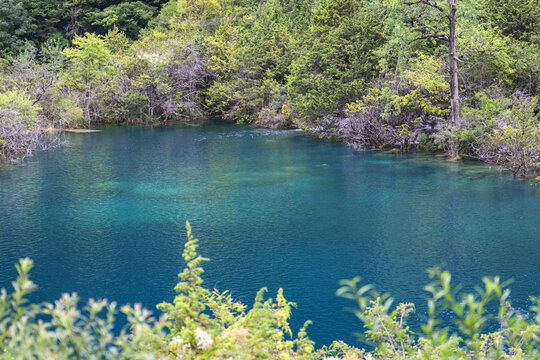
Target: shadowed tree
[[16, 26]]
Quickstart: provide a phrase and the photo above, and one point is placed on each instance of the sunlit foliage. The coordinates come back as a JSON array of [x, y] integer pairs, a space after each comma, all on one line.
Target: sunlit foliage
[[211, 324]]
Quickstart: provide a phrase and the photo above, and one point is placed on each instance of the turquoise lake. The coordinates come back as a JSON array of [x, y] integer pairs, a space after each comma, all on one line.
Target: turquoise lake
[[103, 217]]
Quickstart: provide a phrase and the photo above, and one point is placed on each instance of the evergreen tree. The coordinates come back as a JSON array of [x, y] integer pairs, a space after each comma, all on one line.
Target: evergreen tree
[[16, 27]]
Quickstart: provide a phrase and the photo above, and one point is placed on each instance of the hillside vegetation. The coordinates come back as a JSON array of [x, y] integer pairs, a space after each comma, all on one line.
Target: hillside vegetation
[[457, 76]]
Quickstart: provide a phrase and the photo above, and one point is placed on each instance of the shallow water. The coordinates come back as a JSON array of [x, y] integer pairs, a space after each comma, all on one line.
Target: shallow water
[[104, 217]]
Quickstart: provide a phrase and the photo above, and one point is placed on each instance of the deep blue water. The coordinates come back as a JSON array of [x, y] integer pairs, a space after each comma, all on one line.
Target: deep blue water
[[104, 217]]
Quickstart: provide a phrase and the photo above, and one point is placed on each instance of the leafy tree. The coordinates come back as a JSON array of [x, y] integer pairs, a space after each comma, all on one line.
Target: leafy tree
[[26, 75], [335, 59], [21, 104], [188, 18], [480, 115], [90, 60], [515, 142], [396, 115], [20, 134], [252, 83], [487, 59], [48, 17], [64, 19], [51, 53], [127, 17], [173, 77], [16, 27], [91, 63], [353, 70], [519, 18]]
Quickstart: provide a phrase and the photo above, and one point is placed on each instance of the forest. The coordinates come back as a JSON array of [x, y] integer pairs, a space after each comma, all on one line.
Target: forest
[[460, 78]]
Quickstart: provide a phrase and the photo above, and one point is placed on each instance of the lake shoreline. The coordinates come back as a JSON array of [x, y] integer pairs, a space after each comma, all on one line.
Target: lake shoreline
[[334, 137]]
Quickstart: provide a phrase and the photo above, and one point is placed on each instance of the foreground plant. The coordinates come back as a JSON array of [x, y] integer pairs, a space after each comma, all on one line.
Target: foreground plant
[[515, 336], [63, 331], [204, 324]]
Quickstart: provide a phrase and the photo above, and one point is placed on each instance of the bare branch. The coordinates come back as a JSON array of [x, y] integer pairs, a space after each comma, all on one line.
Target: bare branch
[[20, 139], [426, 2], [462, 32], [442, 37]]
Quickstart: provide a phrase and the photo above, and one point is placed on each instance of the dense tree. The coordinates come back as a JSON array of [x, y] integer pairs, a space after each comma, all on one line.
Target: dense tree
[[64, 19], [518, 18], [128, 17], [21, 131], [48, 18], [335, 59], [515, 141], [254, 74], [90, 64], [16, 26]]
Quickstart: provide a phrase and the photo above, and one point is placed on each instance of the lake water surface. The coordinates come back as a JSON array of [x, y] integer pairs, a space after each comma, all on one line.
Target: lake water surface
[[104, 217]]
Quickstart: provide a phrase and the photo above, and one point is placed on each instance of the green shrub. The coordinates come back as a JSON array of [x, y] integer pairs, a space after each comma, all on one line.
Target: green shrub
[[63, 331], [19, 131], [22, 106], [204, 324], [516, 335], [515, 142]]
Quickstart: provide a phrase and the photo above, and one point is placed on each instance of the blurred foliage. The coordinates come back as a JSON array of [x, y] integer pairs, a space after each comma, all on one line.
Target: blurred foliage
[[210, 324]]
